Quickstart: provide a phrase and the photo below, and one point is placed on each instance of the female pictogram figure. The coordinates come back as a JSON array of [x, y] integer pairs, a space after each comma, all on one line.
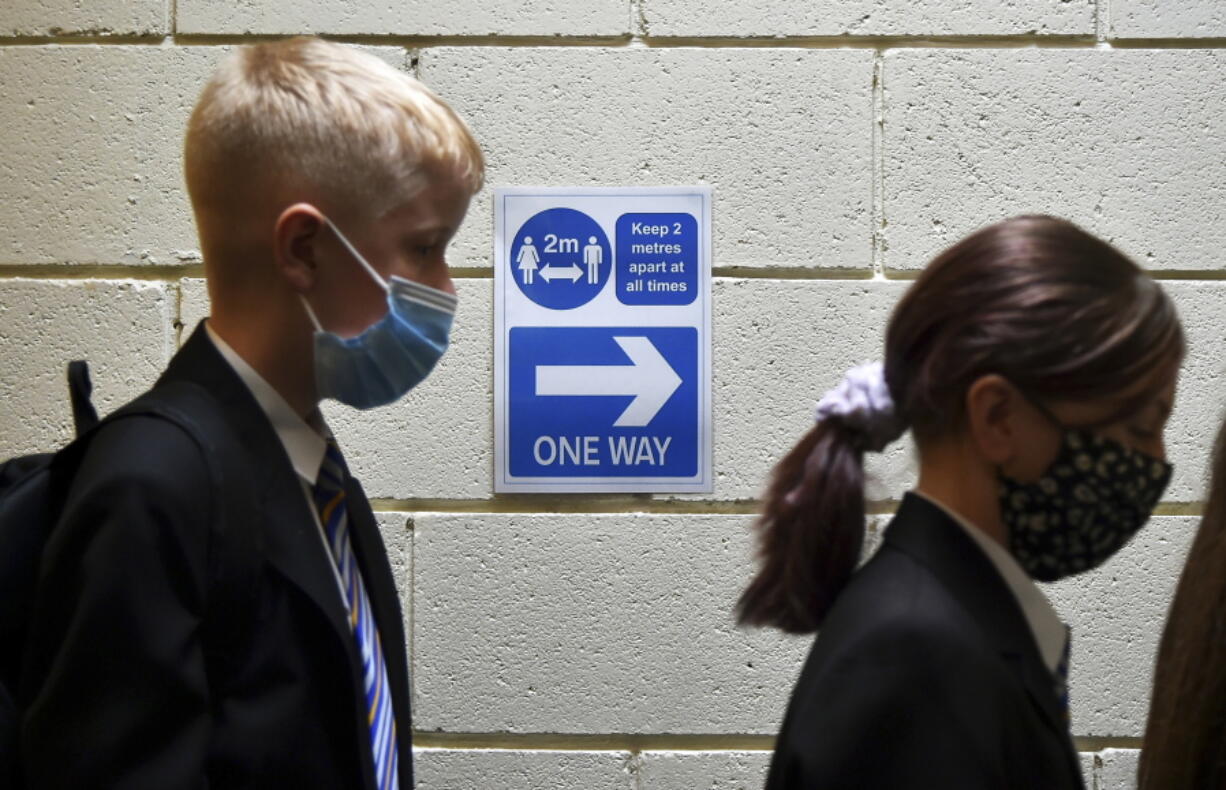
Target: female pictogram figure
[[528, 260]]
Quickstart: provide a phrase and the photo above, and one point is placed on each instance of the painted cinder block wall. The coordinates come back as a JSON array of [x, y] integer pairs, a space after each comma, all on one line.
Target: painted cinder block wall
[[586, 642]]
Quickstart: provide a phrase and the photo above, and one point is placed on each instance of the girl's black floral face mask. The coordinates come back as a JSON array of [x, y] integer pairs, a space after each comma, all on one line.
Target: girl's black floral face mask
[[1092, 499]]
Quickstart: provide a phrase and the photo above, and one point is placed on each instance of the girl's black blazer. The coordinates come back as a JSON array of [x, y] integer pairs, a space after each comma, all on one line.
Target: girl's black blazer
[[925, 675]]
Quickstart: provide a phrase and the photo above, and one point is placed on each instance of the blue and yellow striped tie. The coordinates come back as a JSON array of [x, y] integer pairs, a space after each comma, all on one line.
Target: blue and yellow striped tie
[[330, 500]]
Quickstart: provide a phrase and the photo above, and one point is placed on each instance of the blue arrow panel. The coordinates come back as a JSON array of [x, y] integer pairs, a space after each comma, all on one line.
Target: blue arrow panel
[[562, 436]]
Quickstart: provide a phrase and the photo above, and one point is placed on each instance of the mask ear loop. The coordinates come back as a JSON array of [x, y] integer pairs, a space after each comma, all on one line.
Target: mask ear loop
[[311, 313], [1047, 415], [354, 251], [365, 265]]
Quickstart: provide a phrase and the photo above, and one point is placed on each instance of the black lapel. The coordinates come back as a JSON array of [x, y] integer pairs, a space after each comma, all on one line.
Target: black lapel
[[923, 531], [290, 538]]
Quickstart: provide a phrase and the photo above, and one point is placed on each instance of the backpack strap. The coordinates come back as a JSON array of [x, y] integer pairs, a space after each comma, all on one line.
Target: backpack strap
[[84, 415], [235, 543], [33, 489]]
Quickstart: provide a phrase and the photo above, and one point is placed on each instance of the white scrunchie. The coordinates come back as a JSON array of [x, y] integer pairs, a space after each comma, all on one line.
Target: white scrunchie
[[862, 401]]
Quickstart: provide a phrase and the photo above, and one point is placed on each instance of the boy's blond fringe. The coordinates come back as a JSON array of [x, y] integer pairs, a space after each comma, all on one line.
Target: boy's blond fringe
[[304, 111]]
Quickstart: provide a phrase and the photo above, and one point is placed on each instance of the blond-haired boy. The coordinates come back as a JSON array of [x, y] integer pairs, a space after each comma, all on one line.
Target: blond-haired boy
[[268, 651]]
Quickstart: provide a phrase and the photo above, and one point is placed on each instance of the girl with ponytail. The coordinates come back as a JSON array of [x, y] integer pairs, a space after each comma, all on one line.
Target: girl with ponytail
[[1035, 367]]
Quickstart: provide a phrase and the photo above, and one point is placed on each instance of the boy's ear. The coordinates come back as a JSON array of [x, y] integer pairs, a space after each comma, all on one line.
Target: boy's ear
[[992, 405], [296, 240]]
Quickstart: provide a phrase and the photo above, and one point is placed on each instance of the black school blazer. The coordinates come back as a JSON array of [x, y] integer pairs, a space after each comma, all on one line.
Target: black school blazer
[[120, 696], [925, 675]]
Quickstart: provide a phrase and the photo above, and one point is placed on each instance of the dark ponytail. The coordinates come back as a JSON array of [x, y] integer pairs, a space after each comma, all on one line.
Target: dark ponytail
[[1059, 313], [811, 531]]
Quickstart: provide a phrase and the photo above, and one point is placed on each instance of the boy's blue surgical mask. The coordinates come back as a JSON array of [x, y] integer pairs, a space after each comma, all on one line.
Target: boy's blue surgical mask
[[394, 354]]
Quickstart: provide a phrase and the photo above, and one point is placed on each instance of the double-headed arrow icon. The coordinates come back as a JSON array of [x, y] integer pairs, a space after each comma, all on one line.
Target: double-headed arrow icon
[[549, 273], [649, 378]]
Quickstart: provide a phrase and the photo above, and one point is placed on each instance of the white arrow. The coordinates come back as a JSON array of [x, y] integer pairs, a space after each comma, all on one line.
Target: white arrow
[[551, 272], [649, 378]]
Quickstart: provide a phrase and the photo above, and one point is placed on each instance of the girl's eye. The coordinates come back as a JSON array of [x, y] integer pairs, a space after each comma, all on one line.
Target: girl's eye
[[1142, 434], [425, 251]]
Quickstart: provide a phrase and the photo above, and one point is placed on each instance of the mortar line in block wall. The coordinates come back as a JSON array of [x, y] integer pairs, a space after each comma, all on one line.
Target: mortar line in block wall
[[791, 273], [410, 41], [411, 616], [1101, 20], [883, 43], [178, 322], [597, 504], [639, 743], [634, 743], [618, 504], [147, 40], [634, 767], [94, 271], [1166, 43], [877, 181], [172, 273], [638, 21], [1216, 275], [1096, 743]]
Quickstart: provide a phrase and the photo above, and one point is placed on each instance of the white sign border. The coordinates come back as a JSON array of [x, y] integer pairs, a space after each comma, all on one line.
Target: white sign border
[[504, 483]]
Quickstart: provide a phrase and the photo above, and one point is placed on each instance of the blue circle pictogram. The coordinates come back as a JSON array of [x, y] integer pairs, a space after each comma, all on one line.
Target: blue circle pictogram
[[561, 258]]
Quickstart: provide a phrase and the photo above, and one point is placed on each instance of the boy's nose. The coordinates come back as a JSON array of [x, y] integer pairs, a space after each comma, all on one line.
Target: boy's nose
[[440, 277]]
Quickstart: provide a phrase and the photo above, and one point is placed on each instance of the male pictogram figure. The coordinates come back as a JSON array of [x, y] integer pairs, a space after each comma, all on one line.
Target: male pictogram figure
[[593, 256]]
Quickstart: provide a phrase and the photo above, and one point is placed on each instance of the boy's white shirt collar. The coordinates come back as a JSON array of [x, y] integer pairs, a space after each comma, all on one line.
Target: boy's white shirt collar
[[1049, 630], [305, 445]]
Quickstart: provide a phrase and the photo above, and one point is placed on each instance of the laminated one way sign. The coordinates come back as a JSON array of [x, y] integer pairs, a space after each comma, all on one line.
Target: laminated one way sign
[[602, 340]]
